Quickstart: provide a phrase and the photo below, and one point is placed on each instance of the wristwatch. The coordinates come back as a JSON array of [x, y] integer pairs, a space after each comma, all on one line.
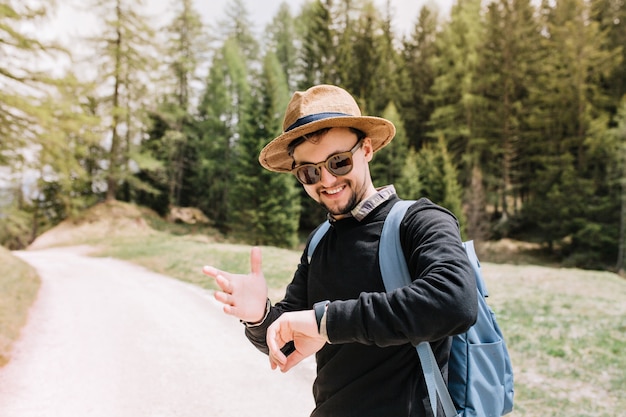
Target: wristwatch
[[320, 309]]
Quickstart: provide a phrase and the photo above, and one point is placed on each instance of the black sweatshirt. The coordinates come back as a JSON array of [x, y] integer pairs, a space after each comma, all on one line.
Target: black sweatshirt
[[371, 367]]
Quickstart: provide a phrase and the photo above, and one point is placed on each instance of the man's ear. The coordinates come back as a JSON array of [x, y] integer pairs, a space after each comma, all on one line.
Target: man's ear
[[368, 150]]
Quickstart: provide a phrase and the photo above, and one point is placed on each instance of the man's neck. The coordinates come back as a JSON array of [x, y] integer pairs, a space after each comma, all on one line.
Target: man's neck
[[367, 204]]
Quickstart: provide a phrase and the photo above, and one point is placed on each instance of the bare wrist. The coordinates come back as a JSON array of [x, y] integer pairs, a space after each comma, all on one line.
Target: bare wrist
[[268, 306]]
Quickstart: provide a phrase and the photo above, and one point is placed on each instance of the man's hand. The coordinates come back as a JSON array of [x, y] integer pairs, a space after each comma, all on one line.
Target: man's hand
[[299, 327], [243, 296]]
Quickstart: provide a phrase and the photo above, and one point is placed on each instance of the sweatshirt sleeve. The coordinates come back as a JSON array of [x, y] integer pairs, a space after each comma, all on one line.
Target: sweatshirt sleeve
[[441, 301]]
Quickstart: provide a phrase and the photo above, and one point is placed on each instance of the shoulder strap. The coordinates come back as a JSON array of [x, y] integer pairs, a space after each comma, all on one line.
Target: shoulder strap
[[393, 265], [315, 239], [396, 274], [471, 254]]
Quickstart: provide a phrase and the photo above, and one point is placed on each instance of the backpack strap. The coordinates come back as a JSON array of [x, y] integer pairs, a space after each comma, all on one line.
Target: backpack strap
[[471, 254], [434, 381], [395, 272], [393, 265], [315, 239]]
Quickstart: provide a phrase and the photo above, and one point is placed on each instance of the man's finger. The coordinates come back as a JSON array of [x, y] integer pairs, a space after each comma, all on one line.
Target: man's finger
[[276, 355], [223, 283], [230, 310], [221, 296], [255, 261], [211, 271], [292, 360]]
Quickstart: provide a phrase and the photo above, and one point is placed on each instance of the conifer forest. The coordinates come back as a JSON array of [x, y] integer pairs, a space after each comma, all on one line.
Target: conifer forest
[[511, 113]]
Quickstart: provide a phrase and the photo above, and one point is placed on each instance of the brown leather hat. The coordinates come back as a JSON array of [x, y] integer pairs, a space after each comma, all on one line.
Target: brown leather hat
[[320, 107]]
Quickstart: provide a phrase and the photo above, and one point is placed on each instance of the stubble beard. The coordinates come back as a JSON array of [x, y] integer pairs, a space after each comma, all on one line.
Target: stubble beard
[[342, 210]]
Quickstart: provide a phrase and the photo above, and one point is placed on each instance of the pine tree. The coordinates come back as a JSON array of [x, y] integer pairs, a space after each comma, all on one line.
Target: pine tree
[[122, 56], [240, 27], [223, 112], [68, 151], [265, 204], [416, 77], [186, 49], [409, 185], [475, 200], [316, 58], [567, 118], [387, 165], [455, 68], [357, 30], [438, 178], [48, 118], [611, 17], [364, 55], [452, 95], [169, 140], [619, 133], [21, 83], [507, 60], [282, 38], [387, 76]]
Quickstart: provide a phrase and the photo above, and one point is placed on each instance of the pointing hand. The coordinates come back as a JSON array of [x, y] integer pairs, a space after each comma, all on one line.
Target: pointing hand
[[243, 296]]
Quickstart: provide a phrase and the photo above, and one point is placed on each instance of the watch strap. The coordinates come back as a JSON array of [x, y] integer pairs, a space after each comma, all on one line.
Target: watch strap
[[320, 308]]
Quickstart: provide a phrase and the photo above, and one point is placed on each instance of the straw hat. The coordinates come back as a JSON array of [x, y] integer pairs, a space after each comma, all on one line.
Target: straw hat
[[320, 107]]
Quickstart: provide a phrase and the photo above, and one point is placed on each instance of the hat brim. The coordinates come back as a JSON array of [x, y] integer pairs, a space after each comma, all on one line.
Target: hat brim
[[275, 157]]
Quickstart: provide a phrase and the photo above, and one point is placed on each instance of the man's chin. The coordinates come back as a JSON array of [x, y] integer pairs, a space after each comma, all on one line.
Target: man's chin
[[337, 210]]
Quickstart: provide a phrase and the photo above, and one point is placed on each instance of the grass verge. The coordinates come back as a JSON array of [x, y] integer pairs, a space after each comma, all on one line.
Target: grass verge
[[183, 257], [19, 284], [566, 332]]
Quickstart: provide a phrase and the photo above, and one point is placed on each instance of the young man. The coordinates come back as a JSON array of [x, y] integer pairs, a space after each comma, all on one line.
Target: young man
[[336, 306]]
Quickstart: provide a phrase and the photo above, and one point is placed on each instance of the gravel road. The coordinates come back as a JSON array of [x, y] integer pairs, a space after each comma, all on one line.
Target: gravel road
[[108, 338]]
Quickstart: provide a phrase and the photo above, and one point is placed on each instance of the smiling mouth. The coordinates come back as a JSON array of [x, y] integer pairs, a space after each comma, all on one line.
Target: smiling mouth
[[333, 191]]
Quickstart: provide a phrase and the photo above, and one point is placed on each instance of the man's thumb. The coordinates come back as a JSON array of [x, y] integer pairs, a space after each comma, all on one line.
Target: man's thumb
[[255, 261]]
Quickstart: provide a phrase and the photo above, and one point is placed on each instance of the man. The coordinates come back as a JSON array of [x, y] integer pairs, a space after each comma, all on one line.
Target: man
[[336, 306]]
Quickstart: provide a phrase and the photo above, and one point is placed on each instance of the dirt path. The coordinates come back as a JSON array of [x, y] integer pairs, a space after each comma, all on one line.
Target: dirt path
[[107, 338]]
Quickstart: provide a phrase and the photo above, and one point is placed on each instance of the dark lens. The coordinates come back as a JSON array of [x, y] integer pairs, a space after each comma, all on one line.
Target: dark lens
[[340, 164], [308, 174]]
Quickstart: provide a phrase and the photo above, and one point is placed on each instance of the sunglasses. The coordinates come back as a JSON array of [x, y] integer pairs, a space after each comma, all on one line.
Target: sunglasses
[[338, 164]]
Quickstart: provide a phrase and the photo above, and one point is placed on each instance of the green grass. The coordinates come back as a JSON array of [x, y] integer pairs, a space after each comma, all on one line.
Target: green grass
[[183, 257], [19, 284], [566, 331]]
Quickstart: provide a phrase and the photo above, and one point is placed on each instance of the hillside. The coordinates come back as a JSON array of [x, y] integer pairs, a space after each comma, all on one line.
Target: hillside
[[19, 285], [103, 221]]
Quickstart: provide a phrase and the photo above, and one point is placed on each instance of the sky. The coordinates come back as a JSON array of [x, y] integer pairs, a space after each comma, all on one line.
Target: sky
[[406, 11], [70, 22]]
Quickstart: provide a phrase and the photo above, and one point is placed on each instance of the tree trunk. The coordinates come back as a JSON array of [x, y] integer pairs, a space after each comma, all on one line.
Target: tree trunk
[[114, 168], [621, 254]]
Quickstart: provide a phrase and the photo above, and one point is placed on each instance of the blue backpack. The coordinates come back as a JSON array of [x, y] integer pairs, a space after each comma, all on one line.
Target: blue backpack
[[480, 375]]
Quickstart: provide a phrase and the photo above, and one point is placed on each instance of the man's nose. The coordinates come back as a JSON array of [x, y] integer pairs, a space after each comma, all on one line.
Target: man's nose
[[327, 178]]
